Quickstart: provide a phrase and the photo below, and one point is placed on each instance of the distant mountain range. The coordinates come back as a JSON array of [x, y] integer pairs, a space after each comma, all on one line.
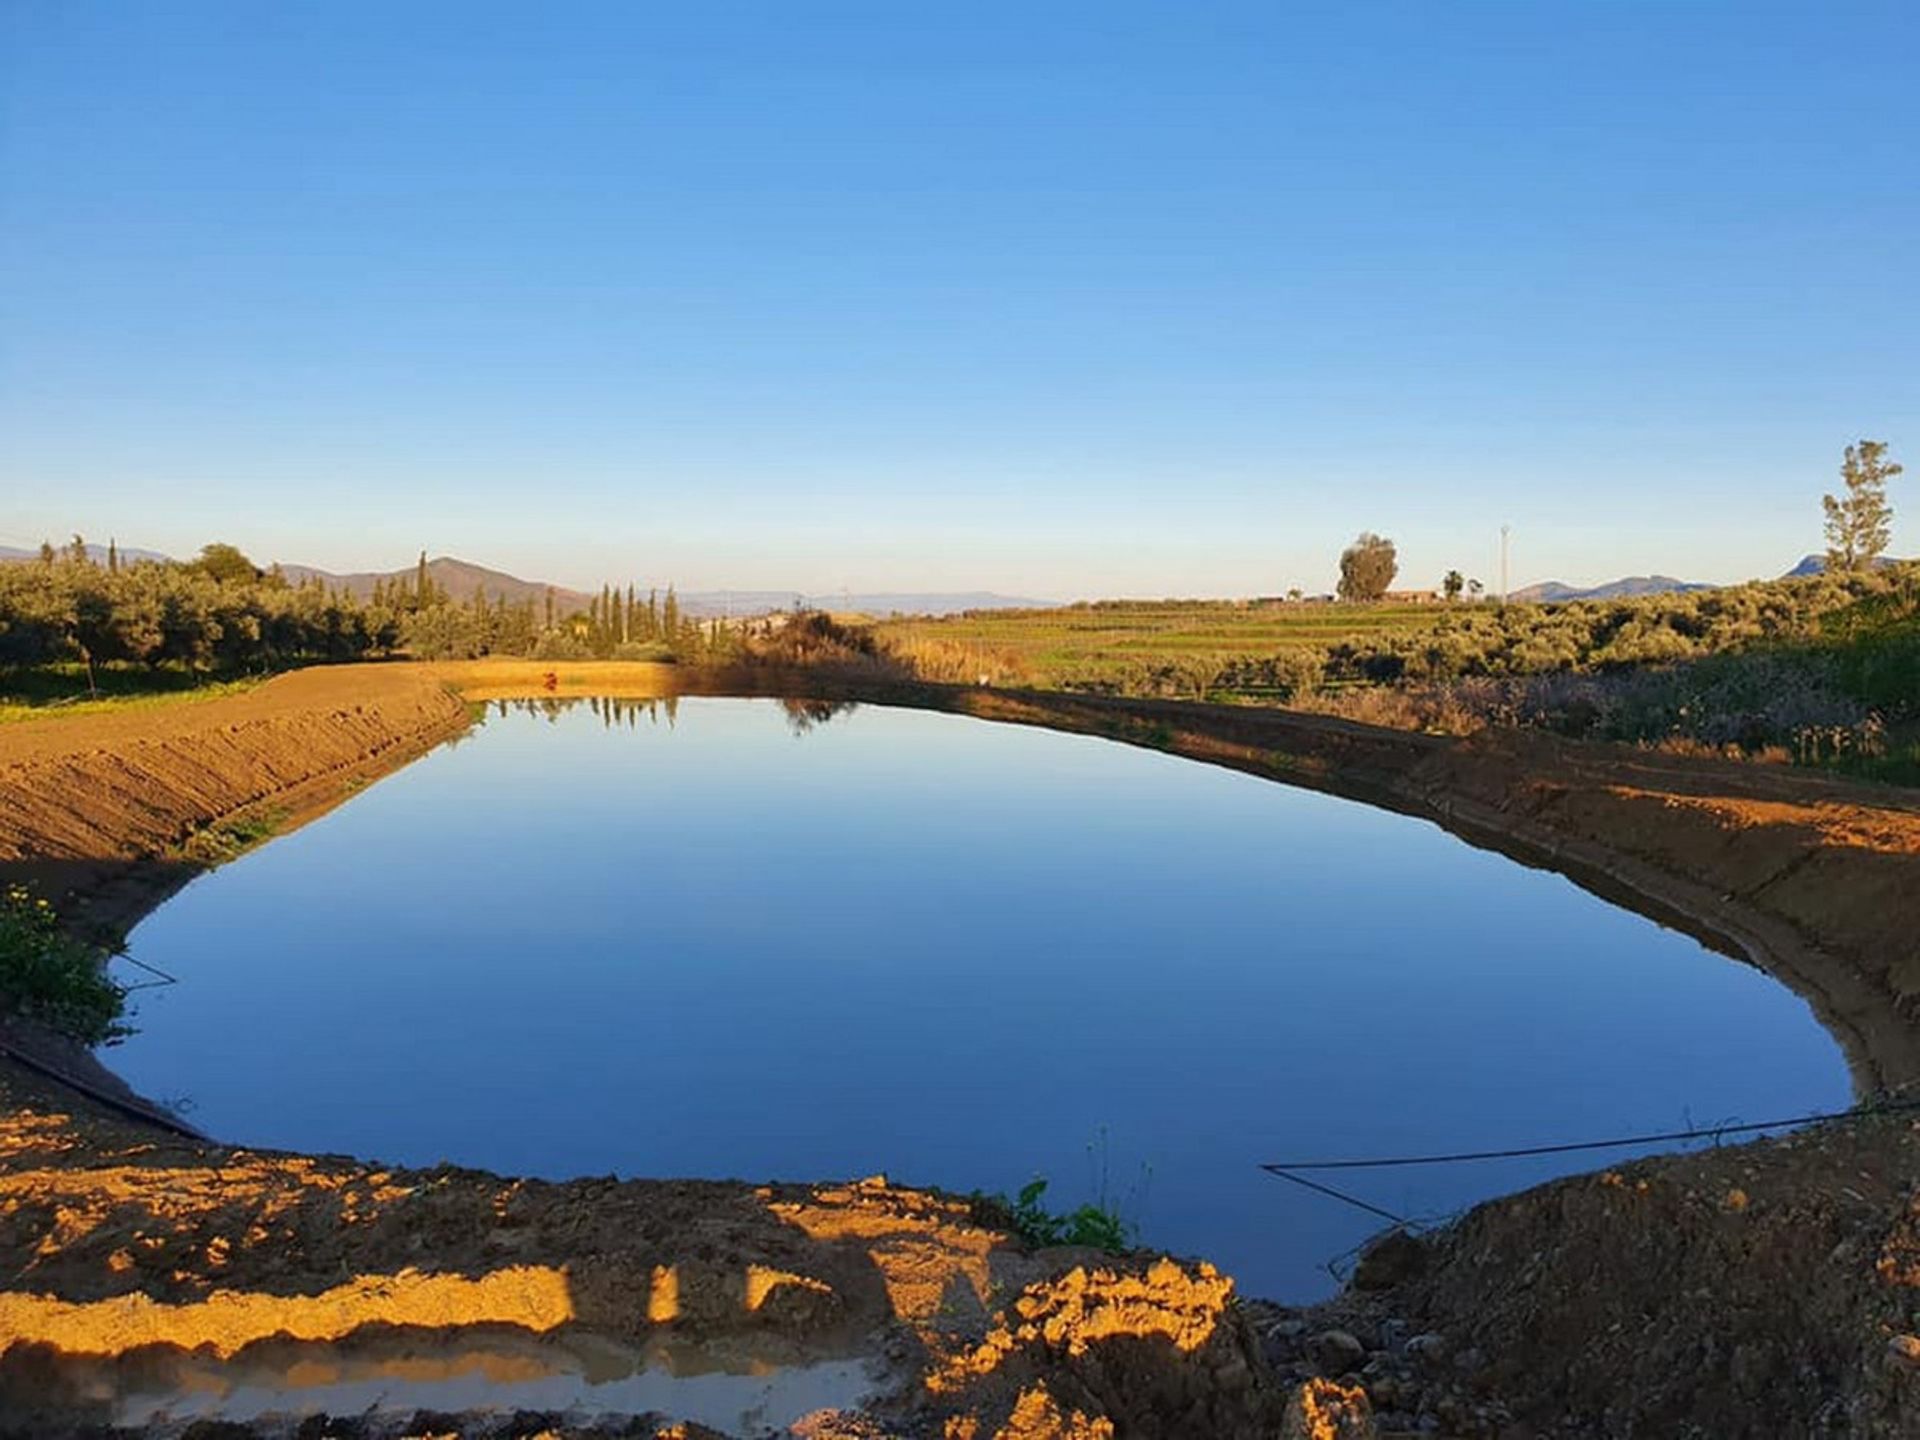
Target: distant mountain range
[[1817, 565], [1554, 592], [461, 578], [96, 553]]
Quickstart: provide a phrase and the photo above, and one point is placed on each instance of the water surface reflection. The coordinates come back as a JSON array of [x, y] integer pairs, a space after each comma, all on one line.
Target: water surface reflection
[[737, 938]]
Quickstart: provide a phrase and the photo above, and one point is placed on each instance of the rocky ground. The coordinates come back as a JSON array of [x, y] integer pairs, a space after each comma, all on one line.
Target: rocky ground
[[1764, 1290]]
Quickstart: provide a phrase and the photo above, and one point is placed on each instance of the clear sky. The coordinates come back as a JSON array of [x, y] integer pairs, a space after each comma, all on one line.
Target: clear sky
[[1054, 299]]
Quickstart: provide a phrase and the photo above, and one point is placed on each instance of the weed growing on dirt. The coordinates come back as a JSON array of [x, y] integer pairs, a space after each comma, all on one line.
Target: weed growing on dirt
[[1038, 1226], [49, 977], [1098, 1224], [230, 839]]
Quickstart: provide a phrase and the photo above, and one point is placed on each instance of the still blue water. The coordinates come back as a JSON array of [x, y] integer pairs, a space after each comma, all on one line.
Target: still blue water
[[604, 939]]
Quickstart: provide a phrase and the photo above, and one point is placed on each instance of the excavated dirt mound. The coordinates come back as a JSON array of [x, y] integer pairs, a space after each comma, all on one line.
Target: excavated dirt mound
[[1764, 1290], [119, 1248]]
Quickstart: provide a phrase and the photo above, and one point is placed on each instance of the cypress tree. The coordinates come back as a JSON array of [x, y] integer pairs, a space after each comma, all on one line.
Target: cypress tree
[[113, 556], [670, 617], [421, 582], [549, 607], [653, 614]]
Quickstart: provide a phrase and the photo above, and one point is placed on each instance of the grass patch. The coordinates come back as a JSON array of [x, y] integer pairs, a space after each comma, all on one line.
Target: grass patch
[[1900, 765], [1104, 643], [49, 977], [61, 690], [233, 837]]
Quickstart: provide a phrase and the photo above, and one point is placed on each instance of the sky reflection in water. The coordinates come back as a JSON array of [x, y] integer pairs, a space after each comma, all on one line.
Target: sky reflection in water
[[593, 941]]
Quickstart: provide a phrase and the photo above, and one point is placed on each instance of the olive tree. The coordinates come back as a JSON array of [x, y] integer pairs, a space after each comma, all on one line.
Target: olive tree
[[1367, 567]]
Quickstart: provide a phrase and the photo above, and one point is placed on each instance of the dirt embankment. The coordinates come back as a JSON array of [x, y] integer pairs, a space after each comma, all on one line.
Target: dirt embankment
[[1752, 1292], [110, 813], [103, 809]]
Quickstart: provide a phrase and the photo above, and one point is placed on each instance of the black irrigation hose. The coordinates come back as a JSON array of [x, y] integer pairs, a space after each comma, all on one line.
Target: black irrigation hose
[[1715, 1131], [133, 1111], [1285, 1172], [1341, 1195]]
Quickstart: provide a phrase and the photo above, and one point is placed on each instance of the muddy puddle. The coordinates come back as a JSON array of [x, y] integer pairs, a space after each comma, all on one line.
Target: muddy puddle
[[733, 1390]]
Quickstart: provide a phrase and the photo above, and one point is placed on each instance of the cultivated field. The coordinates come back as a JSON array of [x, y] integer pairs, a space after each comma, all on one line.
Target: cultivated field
[[1109, 642], [1821, 670]]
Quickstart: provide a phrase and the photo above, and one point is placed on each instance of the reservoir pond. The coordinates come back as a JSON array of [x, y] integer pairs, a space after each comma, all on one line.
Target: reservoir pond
[[758, 940]]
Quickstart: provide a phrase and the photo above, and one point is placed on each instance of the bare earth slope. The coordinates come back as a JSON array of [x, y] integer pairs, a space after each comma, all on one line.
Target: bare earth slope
[[103, 806]]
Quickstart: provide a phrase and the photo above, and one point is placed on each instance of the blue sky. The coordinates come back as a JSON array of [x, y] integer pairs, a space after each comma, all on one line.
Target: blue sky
[[1055, 299]]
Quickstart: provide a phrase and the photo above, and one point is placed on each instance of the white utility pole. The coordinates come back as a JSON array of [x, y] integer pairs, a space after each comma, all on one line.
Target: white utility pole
[[1503, 563]]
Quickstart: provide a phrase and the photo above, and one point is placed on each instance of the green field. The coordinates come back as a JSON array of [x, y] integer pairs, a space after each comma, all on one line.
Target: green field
[[62, 690], [1821, 670], [1111, 642]]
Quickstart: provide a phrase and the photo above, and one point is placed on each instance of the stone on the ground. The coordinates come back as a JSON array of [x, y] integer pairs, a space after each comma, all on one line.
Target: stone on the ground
[[1391, 1260], [1336, 1352]]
